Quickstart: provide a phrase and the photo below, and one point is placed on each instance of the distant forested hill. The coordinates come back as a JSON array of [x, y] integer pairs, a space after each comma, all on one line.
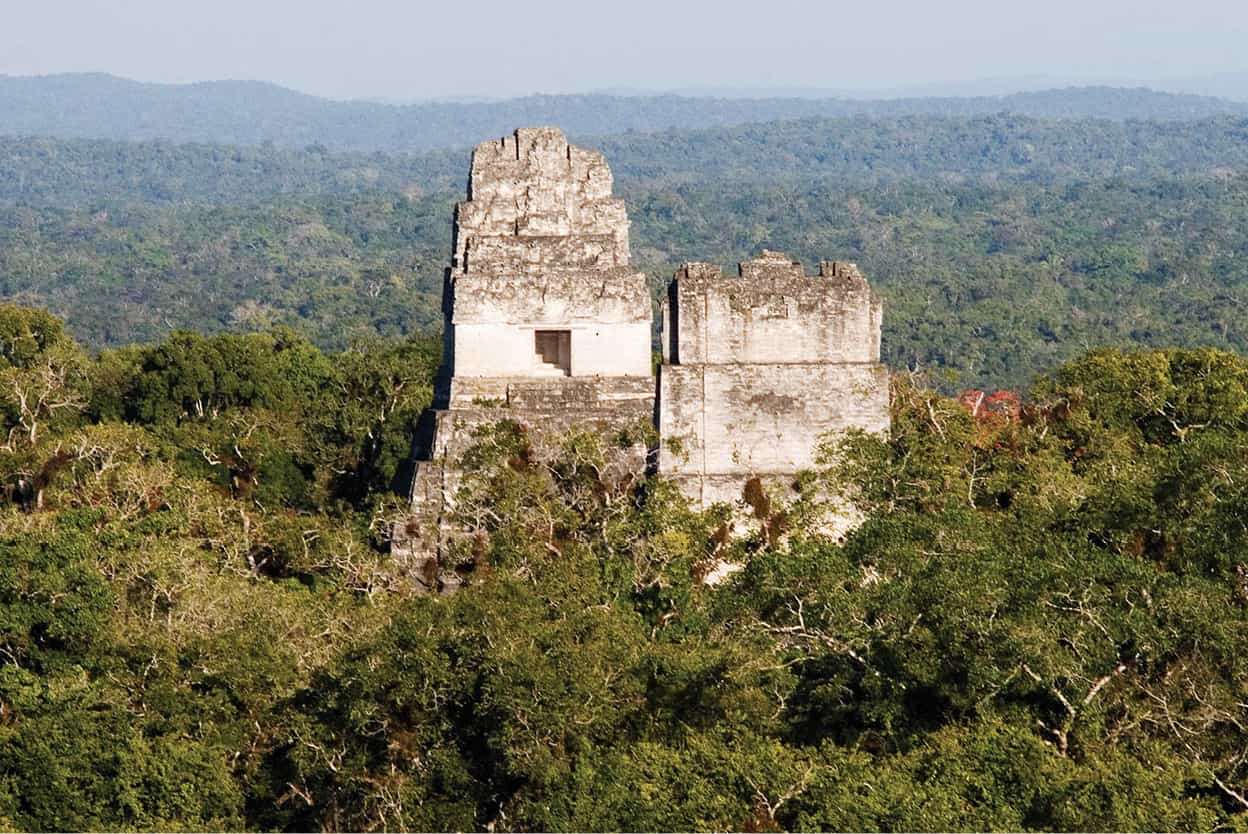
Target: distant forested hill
[[76, 172], [1001, 244], [251, 113]]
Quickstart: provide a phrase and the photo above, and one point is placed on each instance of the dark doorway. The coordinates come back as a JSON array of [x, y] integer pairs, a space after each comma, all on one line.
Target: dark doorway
[[553, 350]]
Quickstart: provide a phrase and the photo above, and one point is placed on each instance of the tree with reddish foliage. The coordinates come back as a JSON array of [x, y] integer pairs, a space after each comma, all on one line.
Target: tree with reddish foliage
[[984, 406]]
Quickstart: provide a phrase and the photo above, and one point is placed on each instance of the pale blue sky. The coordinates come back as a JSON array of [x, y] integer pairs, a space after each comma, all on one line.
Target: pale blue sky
[[409, 49]]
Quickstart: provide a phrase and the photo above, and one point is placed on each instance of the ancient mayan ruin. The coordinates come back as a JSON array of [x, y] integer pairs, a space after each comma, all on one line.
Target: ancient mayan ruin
[[547, 325], [757, 367]]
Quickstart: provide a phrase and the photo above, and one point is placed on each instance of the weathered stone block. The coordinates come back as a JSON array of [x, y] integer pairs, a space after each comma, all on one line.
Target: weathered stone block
[[758, 368], [771, 313]]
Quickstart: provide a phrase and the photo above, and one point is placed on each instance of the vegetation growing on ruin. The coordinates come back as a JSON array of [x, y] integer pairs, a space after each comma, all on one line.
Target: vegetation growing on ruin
[[1040, 624]]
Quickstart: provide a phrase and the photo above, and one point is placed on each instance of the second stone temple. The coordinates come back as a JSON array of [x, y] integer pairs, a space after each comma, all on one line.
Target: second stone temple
[[547, 325]]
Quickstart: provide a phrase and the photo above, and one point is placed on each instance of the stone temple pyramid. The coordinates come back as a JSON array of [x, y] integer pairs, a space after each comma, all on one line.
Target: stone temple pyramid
[[547, 325]]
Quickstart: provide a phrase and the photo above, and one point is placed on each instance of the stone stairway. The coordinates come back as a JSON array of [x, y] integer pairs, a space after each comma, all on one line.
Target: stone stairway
[[548, 369]]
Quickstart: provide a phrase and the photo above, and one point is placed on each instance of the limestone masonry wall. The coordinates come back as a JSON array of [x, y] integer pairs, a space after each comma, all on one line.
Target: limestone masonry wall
[[773, 312], [547, 325], [763, 419], [758, 367], [541, 244]]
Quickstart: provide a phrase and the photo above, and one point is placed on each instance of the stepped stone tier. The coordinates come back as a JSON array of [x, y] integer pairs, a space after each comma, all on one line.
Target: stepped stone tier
[[545, 323], [548, 326], [541, 247]]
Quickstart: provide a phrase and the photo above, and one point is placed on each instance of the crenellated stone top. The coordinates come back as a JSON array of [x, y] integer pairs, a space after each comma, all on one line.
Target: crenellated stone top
[[844, 276], [536, 203], [771, 312], [770, 265], [774, 273]]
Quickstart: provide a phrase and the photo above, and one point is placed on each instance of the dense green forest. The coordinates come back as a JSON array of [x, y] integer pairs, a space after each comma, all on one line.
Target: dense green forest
[[1002, 245], [1040, 624], [992, 148], [252, 113]]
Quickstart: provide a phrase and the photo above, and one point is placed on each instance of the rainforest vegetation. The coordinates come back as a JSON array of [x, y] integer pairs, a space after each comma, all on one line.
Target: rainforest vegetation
[[1001, 245], [1040, 624], [212, 362]]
